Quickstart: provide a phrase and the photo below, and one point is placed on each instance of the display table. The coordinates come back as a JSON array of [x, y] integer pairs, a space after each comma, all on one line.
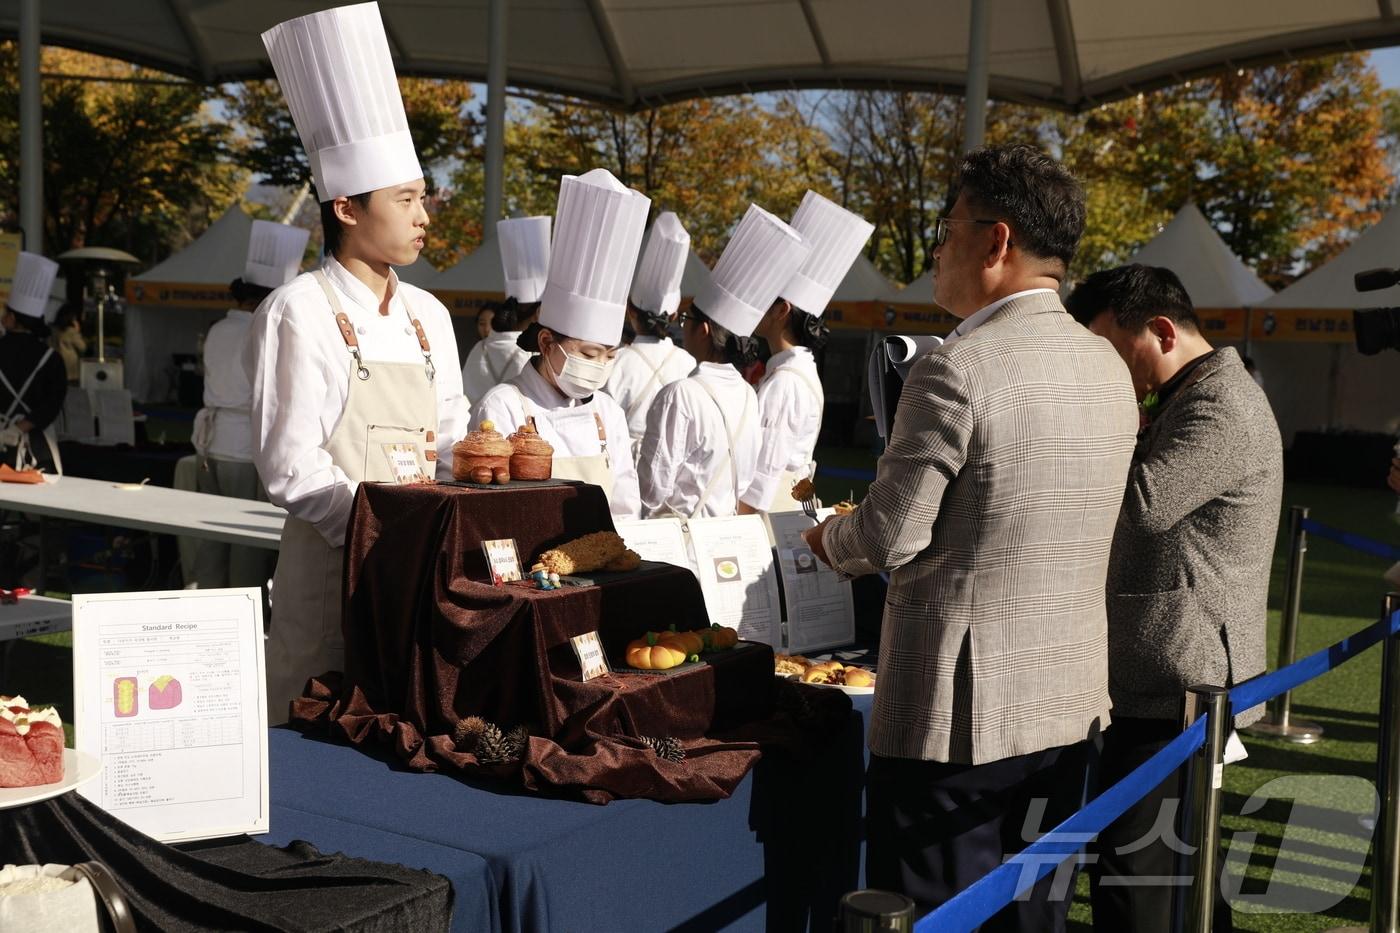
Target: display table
[[776, 855], [30, 615], [428, 643]]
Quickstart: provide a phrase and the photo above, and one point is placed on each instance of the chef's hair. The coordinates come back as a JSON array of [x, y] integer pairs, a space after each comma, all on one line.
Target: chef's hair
[[807, 330], [331, 228], [248, 292], [511, 314], [529, 339], [737, 351], [652, 323]]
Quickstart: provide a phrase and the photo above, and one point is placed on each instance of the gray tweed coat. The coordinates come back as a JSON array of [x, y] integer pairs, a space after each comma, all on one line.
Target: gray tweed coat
[[994, 507], [1188, 578]]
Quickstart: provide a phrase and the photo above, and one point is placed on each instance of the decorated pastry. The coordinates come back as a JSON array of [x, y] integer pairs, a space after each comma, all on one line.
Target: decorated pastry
[[817, 675], [484, 447], [859, 677], [532, 456], [844, 507], [653, 653], [31, 744], [591, 552], [790, 664], [626, 561], [500, 476], [481, 475]]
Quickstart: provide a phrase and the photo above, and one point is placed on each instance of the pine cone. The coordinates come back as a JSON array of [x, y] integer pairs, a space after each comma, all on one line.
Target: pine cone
[[516, 741], [667, 748], [467, 733], [491, 745]]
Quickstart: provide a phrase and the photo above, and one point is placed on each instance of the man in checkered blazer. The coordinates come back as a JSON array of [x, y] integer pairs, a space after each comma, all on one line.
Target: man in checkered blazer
[[993, 509]]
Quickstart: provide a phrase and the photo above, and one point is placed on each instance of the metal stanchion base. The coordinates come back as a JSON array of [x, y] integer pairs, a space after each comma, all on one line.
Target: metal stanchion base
[[1298, 731]]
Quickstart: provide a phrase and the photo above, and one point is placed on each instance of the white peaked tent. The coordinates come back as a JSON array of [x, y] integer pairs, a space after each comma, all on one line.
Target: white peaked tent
[[420, 273], [1312, 371], [171, 304], [864, 282], [1214, 277]]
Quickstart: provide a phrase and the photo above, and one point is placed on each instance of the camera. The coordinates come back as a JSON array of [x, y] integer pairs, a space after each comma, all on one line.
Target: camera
[[1376, 329]]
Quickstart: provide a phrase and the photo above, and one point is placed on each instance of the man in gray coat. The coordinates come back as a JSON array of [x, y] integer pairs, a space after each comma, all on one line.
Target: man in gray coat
[[993, 509], [1188, 578]]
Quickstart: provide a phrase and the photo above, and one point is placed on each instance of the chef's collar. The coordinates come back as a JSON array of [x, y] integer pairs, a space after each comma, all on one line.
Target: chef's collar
[[358, 291]]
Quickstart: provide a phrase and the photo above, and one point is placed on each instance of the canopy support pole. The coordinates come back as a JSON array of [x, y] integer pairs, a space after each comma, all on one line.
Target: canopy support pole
[[495, 117], [978, 74], [31, 130]]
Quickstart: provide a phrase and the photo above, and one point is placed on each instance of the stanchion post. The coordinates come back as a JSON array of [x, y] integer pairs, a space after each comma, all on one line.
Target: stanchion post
[[1199, 825], [1279, 721], [1385, 869], [872, 911]]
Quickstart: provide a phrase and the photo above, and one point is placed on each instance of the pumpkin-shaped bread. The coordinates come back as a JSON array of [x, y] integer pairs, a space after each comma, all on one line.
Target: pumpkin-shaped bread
[[719, 637], [484, 447], [689, 642], [653, 654]]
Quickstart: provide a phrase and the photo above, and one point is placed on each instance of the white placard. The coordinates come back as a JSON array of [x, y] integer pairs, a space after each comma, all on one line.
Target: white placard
[[658, 539], [591, 659], [817, 602], [169, 693], [403, 464], [734, 563]]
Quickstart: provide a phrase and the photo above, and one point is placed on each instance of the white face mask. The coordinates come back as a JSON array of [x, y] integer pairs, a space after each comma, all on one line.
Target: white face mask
[[580, 377]]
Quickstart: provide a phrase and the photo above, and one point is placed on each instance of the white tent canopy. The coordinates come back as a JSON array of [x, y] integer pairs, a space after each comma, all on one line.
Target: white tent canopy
[[865, 283], [1066, 53], [215, 258], [1214, 277], [919, 291], [1330, 286]]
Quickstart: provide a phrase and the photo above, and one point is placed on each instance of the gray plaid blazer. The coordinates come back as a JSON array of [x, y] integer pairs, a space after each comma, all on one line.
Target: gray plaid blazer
[[994, 508]]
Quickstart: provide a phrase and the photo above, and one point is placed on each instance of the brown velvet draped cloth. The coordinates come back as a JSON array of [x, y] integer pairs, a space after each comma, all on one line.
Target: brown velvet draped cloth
[[428, 643]]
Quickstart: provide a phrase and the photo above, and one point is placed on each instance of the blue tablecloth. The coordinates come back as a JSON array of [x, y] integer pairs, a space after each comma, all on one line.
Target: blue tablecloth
[[776, 855]]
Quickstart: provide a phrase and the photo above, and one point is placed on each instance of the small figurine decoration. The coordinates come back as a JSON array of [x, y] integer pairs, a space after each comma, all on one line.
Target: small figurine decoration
[[543, 578]]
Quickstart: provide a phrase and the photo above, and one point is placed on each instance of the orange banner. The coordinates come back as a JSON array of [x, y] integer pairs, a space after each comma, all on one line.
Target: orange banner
[[178, 295], [1302, 325], [1222, 325], [9, 255], [466, 304], [893, 318]]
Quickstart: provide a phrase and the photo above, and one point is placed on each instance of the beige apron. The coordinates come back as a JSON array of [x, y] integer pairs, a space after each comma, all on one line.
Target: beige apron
[[594, 469], [387, 403], [782, 500]]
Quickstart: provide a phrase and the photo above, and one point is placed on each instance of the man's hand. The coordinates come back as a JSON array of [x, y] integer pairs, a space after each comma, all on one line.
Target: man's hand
[[746, 509], [812, 537]]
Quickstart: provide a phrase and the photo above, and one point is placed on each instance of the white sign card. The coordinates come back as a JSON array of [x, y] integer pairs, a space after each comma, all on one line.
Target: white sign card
[[734, 563], [817, 602], [503, 560], [591, 659], [169, 691], [658, 539], [403, 464]]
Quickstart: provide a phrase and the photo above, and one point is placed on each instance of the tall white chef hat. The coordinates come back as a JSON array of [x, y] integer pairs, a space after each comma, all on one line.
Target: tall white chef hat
[[836, 237], [598, 230], [29, 292], [274, 253], [524, 243], [338, 79], [657, 285], [759, 259]]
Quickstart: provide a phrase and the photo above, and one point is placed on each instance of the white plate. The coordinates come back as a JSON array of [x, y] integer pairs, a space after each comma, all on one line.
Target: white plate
[[78, 768], [853, 691]]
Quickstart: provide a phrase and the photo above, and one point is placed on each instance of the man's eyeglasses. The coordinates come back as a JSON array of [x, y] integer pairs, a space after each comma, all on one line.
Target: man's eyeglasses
[[940, 228]]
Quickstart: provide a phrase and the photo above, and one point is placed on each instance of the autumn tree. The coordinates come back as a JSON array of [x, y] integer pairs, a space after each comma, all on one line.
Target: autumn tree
[[132, 159]]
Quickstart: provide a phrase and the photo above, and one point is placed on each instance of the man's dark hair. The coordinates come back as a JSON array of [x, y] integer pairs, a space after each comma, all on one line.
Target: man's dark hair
[[1135, 294], [1031, 193], [330, 224]]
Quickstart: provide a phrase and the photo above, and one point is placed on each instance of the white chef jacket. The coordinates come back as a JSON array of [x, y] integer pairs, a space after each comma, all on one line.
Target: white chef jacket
[[567, 425], [492, 361], [227, 392], [300, 369], [686, 443], [790, 418], [642, 369]]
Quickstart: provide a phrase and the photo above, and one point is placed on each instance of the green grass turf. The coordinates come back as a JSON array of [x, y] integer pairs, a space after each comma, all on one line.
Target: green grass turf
[[1342, 593]]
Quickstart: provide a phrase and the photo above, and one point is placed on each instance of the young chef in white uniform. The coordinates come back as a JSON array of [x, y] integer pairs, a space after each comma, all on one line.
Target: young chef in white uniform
[[524, 246], [597, 234], [33, 380], [651, 361], [347, 363], [702, 439], [790, 398], [223, 434]]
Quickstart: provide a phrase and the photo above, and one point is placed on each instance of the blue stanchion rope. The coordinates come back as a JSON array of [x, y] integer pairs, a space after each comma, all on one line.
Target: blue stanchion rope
[[1354, 541], [977, 903]]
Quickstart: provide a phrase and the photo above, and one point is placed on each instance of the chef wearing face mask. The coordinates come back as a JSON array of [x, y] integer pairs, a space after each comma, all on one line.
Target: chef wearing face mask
[[597, 235]]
